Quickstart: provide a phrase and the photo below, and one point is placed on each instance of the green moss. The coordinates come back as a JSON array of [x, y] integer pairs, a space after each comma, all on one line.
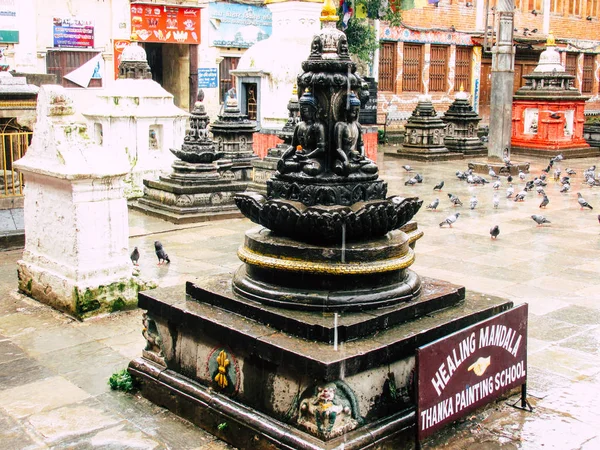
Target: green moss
[[116, 100], [87, 302], [121, 381], [117, 305], [29, 285]]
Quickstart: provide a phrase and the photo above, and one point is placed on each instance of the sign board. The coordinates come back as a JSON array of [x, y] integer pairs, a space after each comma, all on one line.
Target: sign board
[[470, 368], [368, 112], [8, 22], [73, 33], [118, 47], [236, 25], [166, 24], [207, 77]]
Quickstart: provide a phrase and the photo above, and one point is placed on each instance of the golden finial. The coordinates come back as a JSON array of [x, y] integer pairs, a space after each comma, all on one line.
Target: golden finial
[[328, 13], [134, 36], [462, 88], [550, 42], [295, 89]]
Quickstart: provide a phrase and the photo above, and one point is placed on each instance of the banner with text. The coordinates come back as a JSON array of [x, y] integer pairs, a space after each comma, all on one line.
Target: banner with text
[[9, 29], [233, 25], [74, 33], [469, 368], [166, 24]]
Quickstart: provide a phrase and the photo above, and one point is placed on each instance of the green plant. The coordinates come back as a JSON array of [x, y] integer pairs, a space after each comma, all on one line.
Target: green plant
[[381, 139], [121, 381], [222, 426]]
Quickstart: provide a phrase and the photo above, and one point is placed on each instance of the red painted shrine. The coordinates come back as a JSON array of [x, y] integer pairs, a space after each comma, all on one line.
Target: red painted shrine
[[548, 112]]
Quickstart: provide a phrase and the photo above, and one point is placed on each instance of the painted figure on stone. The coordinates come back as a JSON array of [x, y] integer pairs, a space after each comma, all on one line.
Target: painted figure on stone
[[350, 148], [330, 411], [307, 153]]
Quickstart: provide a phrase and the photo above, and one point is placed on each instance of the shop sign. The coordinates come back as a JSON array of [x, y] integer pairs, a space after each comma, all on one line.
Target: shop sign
[[236, 25], [166, 24], [8, 22], [207, 77], [75, 33], [470, 368], [118, 47]]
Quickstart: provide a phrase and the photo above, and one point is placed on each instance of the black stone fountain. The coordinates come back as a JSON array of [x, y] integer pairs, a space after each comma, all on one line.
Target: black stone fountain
[[311, 344]]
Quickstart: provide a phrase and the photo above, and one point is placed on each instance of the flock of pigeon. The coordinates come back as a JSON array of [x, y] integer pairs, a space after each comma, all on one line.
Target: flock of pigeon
[[537, 185], [158, 249]]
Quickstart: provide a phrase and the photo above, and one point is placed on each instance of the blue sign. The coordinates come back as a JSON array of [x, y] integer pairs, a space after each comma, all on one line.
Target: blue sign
[[233, 25], [207, 77]]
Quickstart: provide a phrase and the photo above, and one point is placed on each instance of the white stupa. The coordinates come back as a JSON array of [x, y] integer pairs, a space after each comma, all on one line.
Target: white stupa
[[138, 116], [275, 63]]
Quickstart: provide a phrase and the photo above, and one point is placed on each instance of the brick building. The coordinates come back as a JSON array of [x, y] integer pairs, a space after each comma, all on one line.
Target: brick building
[[441, 46]]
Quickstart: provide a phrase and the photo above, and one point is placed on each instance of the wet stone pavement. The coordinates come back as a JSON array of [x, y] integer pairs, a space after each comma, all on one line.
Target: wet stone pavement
[[54, 370]]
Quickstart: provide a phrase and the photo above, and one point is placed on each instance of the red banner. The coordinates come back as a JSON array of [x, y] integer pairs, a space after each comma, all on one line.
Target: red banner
[[166, 24], [470, 368], [118, 46]]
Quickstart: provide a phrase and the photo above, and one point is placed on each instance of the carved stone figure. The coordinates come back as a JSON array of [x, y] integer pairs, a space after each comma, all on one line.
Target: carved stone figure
[[307, 152], [330, 411], [350, 150]]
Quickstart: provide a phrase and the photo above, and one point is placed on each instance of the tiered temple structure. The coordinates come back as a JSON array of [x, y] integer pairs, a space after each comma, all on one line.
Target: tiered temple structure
[[461, 127], [137, 116], [327, 267], [232, 132], [548, 112], [424, 135], [202, 183]]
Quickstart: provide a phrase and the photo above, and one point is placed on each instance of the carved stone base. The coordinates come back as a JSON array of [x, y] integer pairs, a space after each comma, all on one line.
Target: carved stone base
[[237, 362], [358, 276], [499, 167], [577, 152]]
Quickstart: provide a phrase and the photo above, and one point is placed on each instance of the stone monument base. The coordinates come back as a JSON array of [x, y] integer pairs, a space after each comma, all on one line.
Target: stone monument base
[[499, 167], [256, 375], [81, 299], [413, 155], [569, 153]]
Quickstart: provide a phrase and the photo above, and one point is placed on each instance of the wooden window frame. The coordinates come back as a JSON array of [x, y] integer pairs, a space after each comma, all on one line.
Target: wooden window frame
[[387, 66], [412, 68], [61, 62], [438, 68], [462, 71], [587, 80], [226, 79]]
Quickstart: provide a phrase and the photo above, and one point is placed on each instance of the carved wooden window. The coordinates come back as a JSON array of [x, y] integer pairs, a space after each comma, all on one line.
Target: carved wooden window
[[587, 81], [387, 66], [574, 7], [63, 62], [438, 68], [571, 64], [592, 8], [412, 67], [557, 6], [462, 71]]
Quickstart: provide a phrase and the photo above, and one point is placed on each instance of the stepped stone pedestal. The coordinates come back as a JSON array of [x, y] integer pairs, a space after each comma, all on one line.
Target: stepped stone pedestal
[[76, 256], [202, 184], [461, 130]]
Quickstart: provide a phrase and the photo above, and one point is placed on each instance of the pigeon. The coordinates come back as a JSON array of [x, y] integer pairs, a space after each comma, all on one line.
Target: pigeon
[[522, 175], [407, 168], [135, 256], [496, 184], [570, 171], [539, 182], [454, 200], [510, 191], [506, 160], [494, 232], [491, 172], [461, 175], [547, 169], [439, 186], [591, 182], [450, 220], [520, 196], [509, 178], [496, 201], [564, 180], [557, 173], [558, 157], [528, 186], [418, 177], [540, 190], [545, 201], [540, 219], [582, 201], [434, 204], [160, 253], [473, 202], [565, 188], [410, 181]]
